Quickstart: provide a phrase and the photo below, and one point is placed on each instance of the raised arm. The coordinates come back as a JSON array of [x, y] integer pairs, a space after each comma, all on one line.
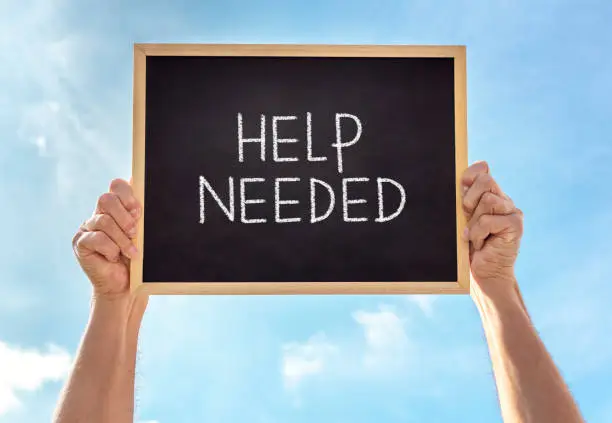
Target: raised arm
[[100, 388], [529, 385]]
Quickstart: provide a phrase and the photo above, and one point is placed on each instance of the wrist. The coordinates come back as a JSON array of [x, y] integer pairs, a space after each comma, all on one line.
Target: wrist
[[497, 295], [125, 310]]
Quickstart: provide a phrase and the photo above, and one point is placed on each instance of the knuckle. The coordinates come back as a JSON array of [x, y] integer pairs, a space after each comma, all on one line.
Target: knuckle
[[484, 220], [487, 181], [481, 166], [106, 199], [489, 200], [105, 243], [96, 237], [117, 183], [127, 221], [470, 204], [76, 239], [467, 206], [474, 233], [508, 206], [518, 222], [121, 240], [468, 176], [125, 243], [100, 238], [103, 221], [81, 242]]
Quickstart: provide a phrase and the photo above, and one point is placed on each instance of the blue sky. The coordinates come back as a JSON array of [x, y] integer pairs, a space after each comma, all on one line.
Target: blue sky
[[539, 103]]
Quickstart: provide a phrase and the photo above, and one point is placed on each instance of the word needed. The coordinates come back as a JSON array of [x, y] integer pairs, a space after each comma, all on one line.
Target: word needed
[[229, 209]]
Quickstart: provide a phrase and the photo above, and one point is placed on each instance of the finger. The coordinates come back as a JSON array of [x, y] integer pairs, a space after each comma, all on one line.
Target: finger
[[124, 191], [472, 172], [509, 227], [491, 204], [98, 242], [109, 203], [105, 223], [484, 182]]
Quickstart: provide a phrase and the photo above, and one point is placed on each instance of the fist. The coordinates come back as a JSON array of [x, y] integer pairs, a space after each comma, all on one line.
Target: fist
[[494, 227], [103, 244]]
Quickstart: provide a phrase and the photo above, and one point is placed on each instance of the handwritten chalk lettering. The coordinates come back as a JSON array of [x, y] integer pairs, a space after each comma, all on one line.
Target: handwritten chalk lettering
[[346, 201], [278, 202], [317, 187], [276, 140], [244, 201], [229, 211], [339, 144], [313, 217], [381, 217], [309, 156], [261, 140]]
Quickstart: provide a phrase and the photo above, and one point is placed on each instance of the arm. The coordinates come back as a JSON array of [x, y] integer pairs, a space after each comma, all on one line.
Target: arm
[[100, 388], [529, 385]]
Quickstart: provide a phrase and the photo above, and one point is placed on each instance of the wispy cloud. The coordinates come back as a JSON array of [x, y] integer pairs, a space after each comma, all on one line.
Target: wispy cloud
[[388, 350], [46, 68], [26, 370], [301, 360], [387, 346], [423, 302]]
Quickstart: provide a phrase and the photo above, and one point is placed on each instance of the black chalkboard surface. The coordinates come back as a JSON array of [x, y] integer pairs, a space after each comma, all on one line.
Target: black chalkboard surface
[[299, 169]]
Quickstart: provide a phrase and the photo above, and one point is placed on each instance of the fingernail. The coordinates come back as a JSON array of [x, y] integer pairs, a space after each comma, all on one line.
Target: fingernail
[[465, 234], [132, 251], [135, 212], [132, 231], [464, 189]]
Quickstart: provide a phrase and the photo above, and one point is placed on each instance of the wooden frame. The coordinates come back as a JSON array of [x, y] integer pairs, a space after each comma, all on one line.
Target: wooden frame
[[458, 53]]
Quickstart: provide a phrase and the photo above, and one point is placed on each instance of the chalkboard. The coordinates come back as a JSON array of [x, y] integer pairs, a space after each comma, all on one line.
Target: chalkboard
[[286, 169]]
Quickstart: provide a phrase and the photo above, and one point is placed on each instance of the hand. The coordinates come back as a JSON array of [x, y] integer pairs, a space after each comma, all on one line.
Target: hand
[[494, 229], [103, 244]]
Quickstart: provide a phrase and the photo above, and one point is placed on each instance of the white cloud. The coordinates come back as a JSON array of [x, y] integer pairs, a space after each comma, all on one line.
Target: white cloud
[[51, 84], [57, 129], [301, 360], [424, 302], [391, 350], [383, 349], [41, 143], [26, 370], [387, 345]]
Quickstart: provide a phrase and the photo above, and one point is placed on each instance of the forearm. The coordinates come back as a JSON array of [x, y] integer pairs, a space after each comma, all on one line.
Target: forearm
[[529, 384], [101, 386]]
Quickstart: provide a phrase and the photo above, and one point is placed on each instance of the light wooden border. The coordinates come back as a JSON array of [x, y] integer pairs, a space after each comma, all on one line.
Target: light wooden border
[[458, 53]]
